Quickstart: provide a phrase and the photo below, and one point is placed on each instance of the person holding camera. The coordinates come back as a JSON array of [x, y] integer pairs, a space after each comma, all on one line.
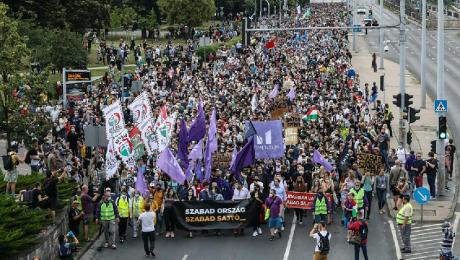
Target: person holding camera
[[323, 238], [51, 190]]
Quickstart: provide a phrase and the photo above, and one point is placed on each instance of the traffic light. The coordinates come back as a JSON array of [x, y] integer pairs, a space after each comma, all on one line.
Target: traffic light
[[409, 138], [413, 115], [433, 146], [407, 100], [442, 128], [397, 100], [382, 80]]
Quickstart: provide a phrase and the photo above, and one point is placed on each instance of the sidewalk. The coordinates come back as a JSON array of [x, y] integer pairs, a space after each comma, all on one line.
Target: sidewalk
[[424, 130]]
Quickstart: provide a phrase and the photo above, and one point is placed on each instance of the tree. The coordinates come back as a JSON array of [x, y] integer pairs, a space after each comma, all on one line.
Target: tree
[[87, 14], [188, 12], [13, 52], [123, 17], [148, 22]]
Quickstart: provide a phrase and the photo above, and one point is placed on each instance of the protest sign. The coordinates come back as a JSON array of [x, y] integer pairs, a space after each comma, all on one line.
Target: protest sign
[[208, 214], [269, 142], [368, 162], [114, 120], [293, 120], [303, 200], [291, 136], [222, 160]]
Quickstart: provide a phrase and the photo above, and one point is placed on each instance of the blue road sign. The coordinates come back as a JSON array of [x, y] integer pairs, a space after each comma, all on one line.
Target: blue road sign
[[440, 105], [422, 195]]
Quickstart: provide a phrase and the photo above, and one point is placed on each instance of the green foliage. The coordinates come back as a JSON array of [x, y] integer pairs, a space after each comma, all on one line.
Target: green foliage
[[123, 17], [13, 47], [187, 12], [148, 21], [19, 226], [203, 51]]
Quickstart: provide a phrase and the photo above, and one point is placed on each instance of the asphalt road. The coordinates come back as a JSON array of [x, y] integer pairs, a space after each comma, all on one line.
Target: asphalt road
[[228, 247], [413, 51]]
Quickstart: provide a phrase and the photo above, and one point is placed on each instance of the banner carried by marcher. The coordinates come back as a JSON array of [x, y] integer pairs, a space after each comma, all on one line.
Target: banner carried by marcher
[[124, 148], [111, 161], [148, 136], [269, 142], [164, 128], [293, 120], [114, 120], [303, 200], [368, 162], [209, 214], [138, 145], [222, 160], [140, 109]]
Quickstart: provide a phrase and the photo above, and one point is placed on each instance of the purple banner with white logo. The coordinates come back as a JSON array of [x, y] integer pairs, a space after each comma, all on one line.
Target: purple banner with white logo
[[269, 142]]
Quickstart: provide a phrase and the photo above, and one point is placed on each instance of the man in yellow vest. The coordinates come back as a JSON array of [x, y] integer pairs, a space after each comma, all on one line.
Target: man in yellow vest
[[360, 198], [136, 208], [122, 203], [320, 207], [404, 221], [107, 216]]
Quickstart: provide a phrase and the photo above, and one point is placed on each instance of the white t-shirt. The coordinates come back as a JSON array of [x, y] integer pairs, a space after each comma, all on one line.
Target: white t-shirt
[[147, 220], [316, 236]]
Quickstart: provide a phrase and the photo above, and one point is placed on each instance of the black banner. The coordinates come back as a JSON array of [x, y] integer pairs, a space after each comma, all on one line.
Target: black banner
[[209, 214]]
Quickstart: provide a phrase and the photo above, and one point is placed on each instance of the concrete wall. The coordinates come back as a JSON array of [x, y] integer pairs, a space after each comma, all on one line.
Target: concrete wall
[[46, 249]]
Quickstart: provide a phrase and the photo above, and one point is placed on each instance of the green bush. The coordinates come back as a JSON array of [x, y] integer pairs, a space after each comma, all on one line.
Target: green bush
[[203, 52], [19, 226]]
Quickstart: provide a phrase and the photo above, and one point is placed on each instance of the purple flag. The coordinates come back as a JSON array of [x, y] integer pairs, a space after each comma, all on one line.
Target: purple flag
[[269, 142], [234, 153], [212, 138], [246, 157], [188, 172], [197, 152], [274, 92], [198, 174], [167, 163], [318, 158], [291, 94], [207, 162], [141, 186], [198, 128], [182, 152]]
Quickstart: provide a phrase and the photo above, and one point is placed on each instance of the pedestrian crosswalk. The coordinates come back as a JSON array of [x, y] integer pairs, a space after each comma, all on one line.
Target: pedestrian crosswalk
[[425, 242]]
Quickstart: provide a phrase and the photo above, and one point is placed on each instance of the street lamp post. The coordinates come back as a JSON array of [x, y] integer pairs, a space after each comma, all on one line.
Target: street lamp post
[[381, 34], [440, 93], [423, 56], [268, 3]]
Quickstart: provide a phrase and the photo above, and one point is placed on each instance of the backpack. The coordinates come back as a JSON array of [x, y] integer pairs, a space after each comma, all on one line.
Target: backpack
[[323, 243], [8, 164], [27, 159], [363, 230]]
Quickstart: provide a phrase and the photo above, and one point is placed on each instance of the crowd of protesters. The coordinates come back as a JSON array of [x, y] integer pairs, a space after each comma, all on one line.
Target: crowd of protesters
[[316, 63]]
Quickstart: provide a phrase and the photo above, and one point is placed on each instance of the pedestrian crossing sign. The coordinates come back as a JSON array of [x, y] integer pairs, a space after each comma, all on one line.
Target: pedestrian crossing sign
[[440, 105]]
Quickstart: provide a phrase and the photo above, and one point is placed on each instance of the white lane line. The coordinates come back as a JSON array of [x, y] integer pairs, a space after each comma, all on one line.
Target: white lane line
[[423, 257], [424, 241], [185, 257], [426, 229], [455, 227], [395, 239], [425, 226], [291, 237], [427, 233]]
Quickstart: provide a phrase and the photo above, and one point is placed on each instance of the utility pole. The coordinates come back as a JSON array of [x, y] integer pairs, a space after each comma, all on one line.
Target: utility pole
[[423, 56], [268, 3], [260, 8], [354, 30], [402, 70], [281, 12], [440, 94], [381, 35]]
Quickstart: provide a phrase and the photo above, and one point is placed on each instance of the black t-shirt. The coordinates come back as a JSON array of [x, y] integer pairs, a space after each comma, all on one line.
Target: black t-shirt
[[433, 170], [51, 187], [35, 194], [383, 142], [419, 165], [73, 224]]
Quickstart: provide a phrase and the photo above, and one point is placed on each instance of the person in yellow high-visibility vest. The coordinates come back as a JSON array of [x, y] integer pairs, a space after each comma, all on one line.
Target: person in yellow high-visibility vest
[[360, 197], [122, 203], [136, 208], [404, 221], [320, 207]]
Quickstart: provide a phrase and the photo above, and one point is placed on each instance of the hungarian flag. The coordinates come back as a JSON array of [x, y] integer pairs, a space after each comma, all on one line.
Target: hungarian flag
[[312, 114]]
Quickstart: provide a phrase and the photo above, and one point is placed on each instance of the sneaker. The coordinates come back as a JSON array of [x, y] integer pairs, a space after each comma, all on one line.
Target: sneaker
[[114, 246], [152, 254], [282, 228], [300, 222], [279, 234], [254, 234], [259, 230], [272, 238], [383, 211], [172, 234], [106, 245], [146, 255], [135, 236], [406, 251], [167, 234]]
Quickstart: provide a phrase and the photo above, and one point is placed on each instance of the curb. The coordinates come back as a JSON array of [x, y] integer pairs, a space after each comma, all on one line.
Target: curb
[[87, 246]]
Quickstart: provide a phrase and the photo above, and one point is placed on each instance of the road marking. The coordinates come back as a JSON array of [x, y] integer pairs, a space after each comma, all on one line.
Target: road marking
[[455, 227], [426, 229], [424, 241], [291, 237], [395, 239], [422, 257], [424, 234], [185, 257], [426, 226]]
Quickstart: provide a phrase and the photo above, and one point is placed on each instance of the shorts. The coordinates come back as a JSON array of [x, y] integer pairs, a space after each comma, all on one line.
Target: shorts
[[86, 219], [274, 222], [11, 176], [53, 203]]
